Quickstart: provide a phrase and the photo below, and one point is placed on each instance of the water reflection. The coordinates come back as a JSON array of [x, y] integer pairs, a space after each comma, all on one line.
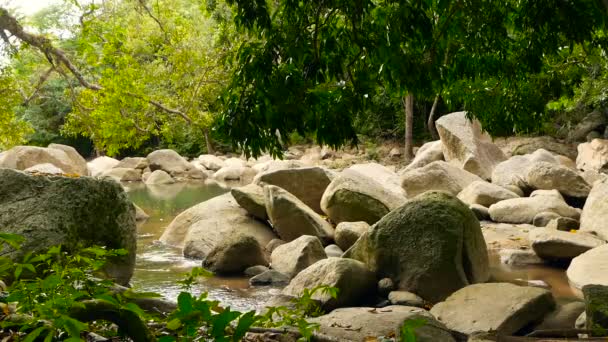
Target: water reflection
[[158, 266]]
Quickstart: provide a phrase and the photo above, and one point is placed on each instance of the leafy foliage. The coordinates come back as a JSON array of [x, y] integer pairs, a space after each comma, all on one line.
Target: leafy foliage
[[56, 296]]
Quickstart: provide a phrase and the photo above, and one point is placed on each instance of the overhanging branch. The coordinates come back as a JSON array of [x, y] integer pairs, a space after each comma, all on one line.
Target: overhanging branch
[[58, 56]]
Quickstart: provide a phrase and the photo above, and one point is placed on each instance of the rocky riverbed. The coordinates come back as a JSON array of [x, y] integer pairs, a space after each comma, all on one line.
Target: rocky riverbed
[[395, 239]]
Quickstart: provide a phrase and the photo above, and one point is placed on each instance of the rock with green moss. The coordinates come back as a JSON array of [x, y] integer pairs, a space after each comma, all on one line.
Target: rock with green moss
[[596, 308], [73, 212], [432, 246]]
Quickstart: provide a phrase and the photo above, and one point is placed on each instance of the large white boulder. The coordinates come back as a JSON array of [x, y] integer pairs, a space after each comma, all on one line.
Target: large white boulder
[[201, 228], [523, 210], [428, 153], [211, 162], [485, 194], [437, 175], [593, 156], [466, 145], [553, 244], [23, 157], [494, 307], [307, 183], [381, 174], [589, 268], [352, 197], [291, 218], [291, 258], [548, 176], [169, 161], [513, 171], [594, 218], [99, 165]]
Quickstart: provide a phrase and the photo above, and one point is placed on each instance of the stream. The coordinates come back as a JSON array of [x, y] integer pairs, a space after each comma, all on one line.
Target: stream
[[158, 266]]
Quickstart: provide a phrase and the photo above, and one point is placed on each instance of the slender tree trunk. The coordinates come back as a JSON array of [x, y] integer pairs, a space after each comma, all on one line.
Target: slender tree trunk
[[210, 149], [431, 122], [408, 107]]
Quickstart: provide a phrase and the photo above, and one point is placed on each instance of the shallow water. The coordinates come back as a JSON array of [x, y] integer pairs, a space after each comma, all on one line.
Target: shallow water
[[158, 267]]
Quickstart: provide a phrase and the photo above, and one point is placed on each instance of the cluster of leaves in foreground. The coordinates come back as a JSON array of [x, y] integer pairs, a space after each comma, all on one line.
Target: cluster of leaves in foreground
[[56, 295]]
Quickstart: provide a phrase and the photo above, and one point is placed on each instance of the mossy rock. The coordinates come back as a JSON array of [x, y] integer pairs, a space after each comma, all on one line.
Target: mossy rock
[[431, 246], [73, 212]]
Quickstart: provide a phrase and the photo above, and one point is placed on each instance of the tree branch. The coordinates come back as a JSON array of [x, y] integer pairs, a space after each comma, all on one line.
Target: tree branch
[[39, 85], [55, 55]]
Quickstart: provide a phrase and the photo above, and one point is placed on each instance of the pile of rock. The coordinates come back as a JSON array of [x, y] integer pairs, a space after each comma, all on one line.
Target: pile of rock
[[412, 237]]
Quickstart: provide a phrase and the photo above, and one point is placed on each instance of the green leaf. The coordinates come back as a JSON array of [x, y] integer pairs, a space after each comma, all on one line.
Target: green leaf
[[245, 322], [72, 326], [185, 302], [174, 324], [134, 308], [166, 338], [33, 335]]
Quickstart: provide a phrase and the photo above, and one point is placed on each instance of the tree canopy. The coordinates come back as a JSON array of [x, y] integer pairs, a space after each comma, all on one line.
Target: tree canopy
[[251, 72]]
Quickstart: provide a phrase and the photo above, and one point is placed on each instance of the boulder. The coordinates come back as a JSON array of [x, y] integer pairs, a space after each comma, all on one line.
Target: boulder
[[589, 268], [255, 270], [564, 224], [513, 171], [437, 175], [169, 161], [123, 175], [527, 145], [73, 212], [485, 194], [595, 211], [242, 174], [548, 176], [553, 193], [596, 310], [481, 212], [371, 324], [333, 251], [159, 177], [466, 145], [211, 162], [235, 254], [274, 165], [77, 161], [47, 168], [347, 233], [251, 198], [494, 307], [523, 210], [432, 236], [273, 244], [270, 277], [308, 183], [428, 153], [235, 162], [23, 157], [405, 298], [99, 165], [352, 278], [542, 219], [291, 218], [592, 176], [594, 121], [385, 287], [381, 174], [202, 227], [294, 256], [134, 163], [519, 257], [593, 156], [353, 197], [563, 317], [553, 244]]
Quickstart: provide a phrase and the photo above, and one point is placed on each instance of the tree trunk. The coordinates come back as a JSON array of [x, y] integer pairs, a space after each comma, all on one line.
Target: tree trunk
[[408, 107], [210, 149], [431, 122]]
